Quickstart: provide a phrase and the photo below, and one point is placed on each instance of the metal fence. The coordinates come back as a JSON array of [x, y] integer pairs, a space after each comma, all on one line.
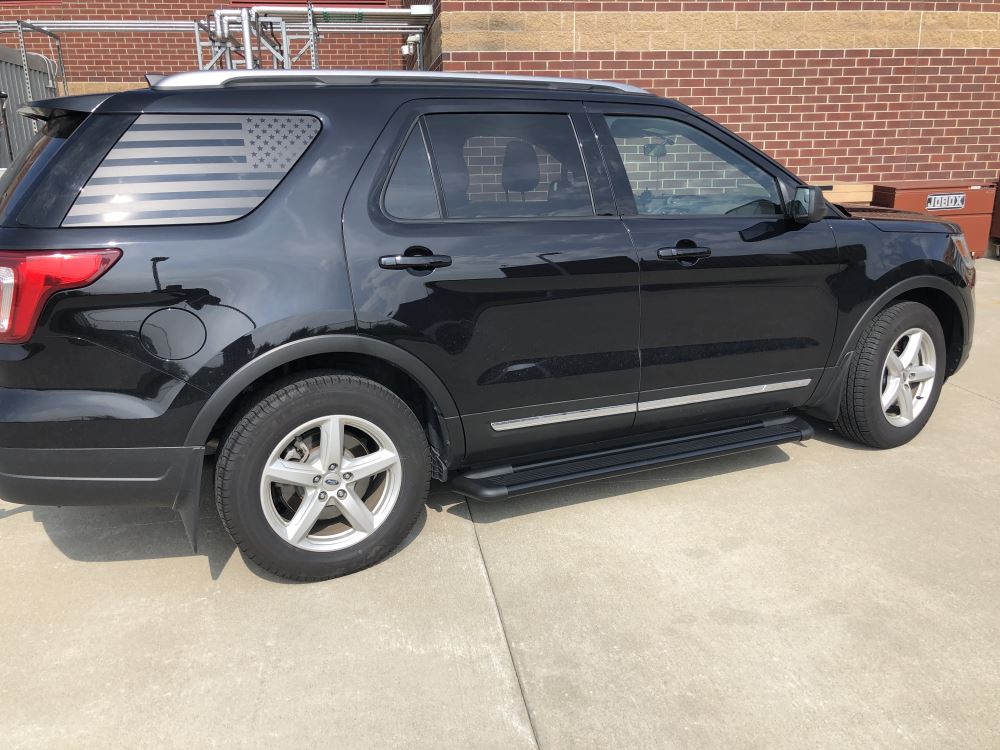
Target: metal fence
[[17, 131]]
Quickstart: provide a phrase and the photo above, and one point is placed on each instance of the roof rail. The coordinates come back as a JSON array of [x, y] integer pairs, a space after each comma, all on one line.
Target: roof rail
[[217, 78]]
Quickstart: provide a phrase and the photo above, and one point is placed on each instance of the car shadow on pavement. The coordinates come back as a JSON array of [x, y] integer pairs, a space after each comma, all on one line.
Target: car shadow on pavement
[[8, 512], [603, 490], [123, 533], [114, 533]]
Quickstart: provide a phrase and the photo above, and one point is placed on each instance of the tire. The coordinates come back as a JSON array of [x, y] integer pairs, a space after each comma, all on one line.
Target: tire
[[270, 519], [872, 375]]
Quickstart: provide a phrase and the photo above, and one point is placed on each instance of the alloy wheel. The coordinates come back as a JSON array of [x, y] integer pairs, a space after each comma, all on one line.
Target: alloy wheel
[[330, 483], [908, 376]]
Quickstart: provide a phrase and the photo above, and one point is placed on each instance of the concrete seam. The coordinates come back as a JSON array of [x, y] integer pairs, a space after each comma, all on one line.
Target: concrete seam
[[961, 388], [503, 628]]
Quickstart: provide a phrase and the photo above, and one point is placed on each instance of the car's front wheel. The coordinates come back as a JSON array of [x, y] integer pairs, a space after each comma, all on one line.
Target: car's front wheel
[[322, 477], [895, 377]]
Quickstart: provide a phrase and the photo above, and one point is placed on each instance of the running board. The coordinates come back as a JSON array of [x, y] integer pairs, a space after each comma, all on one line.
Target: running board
[[501, 482]]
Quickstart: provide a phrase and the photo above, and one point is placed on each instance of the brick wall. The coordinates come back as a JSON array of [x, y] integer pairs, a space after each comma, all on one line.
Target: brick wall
[[830, 115], [839, 91]]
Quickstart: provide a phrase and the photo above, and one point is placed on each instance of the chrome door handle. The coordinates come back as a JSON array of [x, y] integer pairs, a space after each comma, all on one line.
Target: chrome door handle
[[683, 253], [414, 262]]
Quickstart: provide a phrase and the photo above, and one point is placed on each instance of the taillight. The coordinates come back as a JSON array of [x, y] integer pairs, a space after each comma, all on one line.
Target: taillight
[[28, 279]]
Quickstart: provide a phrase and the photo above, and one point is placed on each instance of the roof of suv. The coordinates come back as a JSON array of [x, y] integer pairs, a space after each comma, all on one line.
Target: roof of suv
[[223, 85], [225, 78]]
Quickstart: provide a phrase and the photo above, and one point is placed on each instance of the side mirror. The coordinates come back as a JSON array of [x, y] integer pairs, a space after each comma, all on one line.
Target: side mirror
[[808, 205]]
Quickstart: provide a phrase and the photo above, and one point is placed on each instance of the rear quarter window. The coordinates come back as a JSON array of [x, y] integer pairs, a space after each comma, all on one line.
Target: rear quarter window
[[191, 169], [31, 162]]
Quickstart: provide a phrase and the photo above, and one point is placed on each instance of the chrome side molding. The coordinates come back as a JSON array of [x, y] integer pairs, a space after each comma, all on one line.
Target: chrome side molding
[[566, 416], [660, 403], [697, 398]]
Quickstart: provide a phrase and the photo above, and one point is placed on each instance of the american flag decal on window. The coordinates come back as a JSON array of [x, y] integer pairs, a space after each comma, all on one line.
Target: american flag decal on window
[[191, 169]]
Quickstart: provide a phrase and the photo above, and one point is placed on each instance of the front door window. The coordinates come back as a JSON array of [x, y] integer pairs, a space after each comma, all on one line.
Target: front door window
[[677, 170]]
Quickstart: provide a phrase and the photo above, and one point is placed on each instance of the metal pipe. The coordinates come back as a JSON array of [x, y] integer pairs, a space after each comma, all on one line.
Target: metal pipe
[[197, 44], [62, 67], [285, 49], [291, 10], [184, 27], [313, 40], [24, 61], [247, 38]]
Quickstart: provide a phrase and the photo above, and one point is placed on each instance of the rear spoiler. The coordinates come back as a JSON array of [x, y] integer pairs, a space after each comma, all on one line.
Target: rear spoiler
[[46, 109]]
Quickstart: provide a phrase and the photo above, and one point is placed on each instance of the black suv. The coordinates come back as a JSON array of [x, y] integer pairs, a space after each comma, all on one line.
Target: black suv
[[346, 284]]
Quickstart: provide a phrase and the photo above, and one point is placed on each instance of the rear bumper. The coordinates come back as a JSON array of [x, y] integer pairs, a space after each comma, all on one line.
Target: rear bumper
[[167, 477]]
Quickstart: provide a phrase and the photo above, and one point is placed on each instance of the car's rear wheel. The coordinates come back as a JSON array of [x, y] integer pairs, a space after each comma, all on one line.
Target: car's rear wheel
[[895, 377], [322, 477]]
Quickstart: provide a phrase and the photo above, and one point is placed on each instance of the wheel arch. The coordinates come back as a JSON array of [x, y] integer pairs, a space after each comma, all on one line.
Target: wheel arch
[[401, 372], [940, 295], [948, 314], [936, 293]]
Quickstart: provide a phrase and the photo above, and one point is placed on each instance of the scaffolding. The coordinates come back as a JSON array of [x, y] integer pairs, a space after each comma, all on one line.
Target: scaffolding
[[260, 36], [278, 36]]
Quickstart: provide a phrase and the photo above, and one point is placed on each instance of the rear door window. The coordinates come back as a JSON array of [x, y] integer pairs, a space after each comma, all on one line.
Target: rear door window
[[499, 166], [191, 169]]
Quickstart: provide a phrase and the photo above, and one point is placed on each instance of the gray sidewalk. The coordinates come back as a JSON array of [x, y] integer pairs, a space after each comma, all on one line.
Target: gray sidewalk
[[815, 595]]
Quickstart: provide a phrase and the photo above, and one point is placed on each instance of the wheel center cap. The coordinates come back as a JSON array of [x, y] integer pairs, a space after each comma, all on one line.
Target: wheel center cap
[[331, 481]]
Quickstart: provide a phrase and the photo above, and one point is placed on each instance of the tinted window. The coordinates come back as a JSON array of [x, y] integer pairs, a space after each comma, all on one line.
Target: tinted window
[[509, 165], [191, 169], [410, 193], [31, 161], [675, 169]]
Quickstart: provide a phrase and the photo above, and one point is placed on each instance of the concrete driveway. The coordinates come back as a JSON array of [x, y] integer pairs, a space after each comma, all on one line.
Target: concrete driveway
[[815, 595]]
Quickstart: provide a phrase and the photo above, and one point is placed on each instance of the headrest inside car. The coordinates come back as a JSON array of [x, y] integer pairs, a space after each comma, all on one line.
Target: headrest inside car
[[520, 167]]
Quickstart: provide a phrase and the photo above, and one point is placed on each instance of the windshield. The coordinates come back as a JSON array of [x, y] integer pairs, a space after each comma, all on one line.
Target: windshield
[[31, 161]]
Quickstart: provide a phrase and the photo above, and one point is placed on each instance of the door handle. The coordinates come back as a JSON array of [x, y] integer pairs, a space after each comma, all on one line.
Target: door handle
[[414, 262], [683, 253]]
